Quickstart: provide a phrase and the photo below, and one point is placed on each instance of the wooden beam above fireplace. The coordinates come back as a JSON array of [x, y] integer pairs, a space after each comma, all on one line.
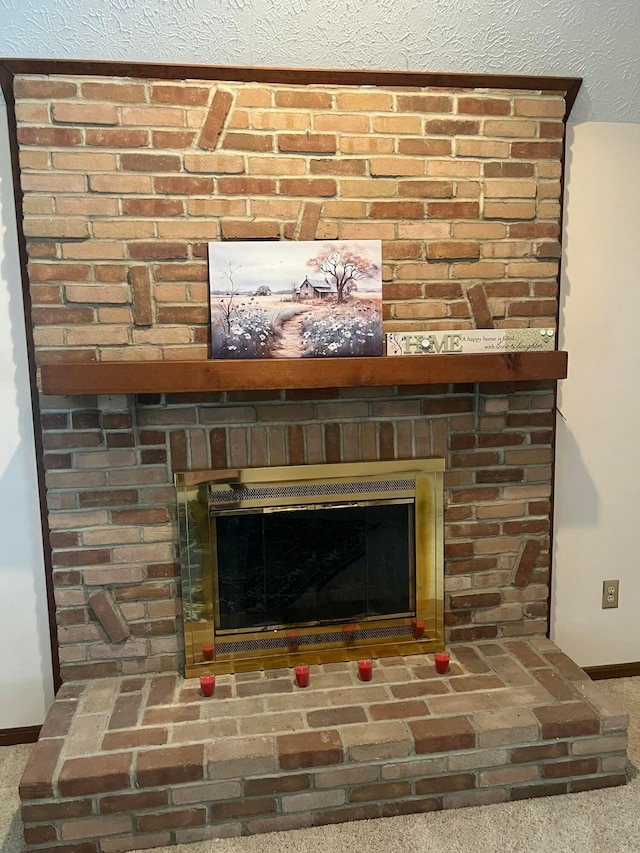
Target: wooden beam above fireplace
[[157, 377]]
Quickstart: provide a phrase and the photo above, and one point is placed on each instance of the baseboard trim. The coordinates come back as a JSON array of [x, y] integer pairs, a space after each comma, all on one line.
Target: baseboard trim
[[26, 734], [613, 670]]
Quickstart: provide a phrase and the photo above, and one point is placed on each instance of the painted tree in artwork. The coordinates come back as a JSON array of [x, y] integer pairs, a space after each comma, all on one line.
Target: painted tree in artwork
[[342, 266]]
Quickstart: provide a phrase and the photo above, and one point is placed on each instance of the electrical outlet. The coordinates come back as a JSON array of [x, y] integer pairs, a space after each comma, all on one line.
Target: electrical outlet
[[610, 593]]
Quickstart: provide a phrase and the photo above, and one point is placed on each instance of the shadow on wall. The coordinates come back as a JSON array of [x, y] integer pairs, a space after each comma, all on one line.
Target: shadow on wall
[[583, 507]]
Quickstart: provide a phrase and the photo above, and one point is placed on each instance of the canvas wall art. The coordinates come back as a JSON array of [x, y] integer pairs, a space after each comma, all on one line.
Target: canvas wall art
[[296, 300]]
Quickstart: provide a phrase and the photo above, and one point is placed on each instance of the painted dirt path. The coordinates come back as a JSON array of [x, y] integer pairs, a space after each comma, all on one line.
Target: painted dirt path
[[290, 344]]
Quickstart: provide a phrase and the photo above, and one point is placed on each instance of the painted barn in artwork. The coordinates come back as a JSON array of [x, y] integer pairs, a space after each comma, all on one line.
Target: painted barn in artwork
[[314, 289]]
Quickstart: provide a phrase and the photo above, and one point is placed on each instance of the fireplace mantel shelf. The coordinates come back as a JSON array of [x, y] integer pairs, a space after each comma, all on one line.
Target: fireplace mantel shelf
[[157, 377]]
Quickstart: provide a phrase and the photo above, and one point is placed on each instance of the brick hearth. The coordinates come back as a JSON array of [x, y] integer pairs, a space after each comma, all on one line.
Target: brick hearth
[[127, 763]]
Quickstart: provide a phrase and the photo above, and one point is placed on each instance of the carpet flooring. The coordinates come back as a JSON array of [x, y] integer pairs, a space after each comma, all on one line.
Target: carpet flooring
[[606, 821]]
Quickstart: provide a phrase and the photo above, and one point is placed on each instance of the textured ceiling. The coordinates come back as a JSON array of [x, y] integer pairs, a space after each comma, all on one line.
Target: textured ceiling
[[579, 38]]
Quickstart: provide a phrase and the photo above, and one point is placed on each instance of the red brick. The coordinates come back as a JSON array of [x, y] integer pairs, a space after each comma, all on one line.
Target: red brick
[[478, 632], [578, 767], [158, 249], [446, 249], [189, 95], [427, 189], [173, 819], [45, 89], [133, 802], [452, 127], [337, 167], [367, 812], [536, 150], [308, 186], [526, 562], [442, 784], [396, 210], [120, 138], [95, 775], [39, 834], [379, 791], [37, 779], [484, 106], [576, 785], [246, 186], [311, 749], [425, 103], [309, 143], [508, 170], [85, 557], [530, 754], [146, 736], [453, 209], [248, 141], [49, 137], [398, 710], [447, 734], [169, 766], [276, 785], [177, 139], [216, 117], [336, 717], [243, 808], [575, 719], [425, 147], [178, 185], [250, 230], [303, 99], [474, 600], [480, 307], [60, 810], [541, 789], [413, 806], [109, 615], [153, 163]]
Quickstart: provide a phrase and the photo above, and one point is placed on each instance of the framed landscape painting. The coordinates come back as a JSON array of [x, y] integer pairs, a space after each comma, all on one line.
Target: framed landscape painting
[[296, 299]]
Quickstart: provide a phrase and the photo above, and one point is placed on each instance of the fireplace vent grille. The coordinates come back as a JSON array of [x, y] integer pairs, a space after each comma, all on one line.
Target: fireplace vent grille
[[235, 495], [256, 645]]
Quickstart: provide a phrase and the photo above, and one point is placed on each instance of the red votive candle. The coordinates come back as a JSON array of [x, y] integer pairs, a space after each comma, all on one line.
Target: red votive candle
[[418, 628], [442, 662], [302, 675], [207, 684], [207, 651], [365, 670]]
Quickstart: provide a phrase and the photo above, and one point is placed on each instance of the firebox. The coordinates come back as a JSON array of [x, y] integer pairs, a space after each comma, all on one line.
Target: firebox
[[315, 562]]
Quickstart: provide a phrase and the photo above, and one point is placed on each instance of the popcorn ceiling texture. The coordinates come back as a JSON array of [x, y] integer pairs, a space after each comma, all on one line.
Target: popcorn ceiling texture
[[590, 39]]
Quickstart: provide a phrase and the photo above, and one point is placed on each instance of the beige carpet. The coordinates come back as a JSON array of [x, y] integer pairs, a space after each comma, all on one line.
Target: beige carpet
[[606, 821]]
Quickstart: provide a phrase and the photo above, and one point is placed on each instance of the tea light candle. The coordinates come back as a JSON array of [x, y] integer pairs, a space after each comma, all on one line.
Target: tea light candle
[[207, 651], [207, 684], [302, 675], [442, 662], [365, 670]]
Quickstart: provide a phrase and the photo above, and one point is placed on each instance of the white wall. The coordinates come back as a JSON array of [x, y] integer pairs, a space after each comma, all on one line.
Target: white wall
[[597, 511], [26, 685]]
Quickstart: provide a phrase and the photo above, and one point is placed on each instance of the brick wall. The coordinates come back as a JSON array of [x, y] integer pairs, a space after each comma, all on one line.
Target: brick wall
[[126, 180]]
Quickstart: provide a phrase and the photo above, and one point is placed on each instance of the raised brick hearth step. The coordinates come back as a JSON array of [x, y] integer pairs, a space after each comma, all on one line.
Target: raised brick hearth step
[[128, 763]]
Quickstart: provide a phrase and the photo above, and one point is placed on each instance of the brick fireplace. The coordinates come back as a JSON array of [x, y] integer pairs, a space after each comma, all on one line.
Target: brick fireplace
[[125, 173]]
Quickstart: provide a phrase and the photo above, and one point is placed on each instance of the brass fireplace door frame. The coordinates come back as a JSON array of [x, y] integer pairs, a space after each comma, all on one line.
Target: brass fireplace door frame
[[420, 480]]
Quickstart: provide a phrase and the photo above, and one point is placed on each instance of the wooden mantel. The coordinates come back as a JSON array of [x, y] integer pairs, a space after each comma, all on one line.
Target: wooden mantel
[[157, 377]]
